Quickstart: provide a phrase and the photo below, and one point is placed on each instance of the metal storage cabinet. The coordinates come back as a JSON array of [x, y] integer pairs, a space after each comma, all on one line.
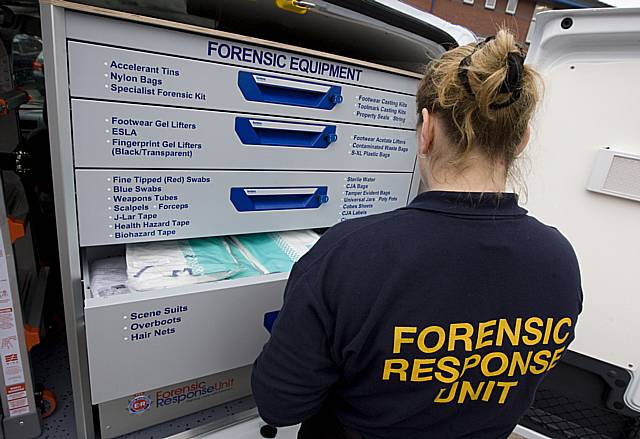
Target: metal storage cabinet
[[280, 93]]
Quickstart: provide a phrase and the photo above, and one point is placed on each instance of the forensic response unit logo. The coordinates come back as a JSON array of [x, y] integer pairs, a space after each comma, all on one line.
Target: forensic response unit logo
[[139, 404]]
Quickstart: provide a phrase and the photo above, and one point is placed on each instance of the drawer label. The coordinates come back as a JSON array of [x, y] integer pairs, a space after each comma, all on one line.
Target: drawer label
[[261, 57], [380, 109], [147, 206], [145, 325], [361, 195], [133, 78]]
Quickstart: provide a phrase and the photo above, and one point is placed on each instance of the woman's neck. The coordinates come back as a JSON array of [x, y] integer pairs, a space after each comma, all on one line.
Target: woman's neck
[[475, 175]]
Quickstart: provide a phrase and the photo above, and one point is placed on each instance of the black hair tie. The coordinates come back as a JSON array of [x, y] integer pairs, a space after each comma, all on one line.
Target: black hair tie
[[463, 73], [513, 79], [463, 67]]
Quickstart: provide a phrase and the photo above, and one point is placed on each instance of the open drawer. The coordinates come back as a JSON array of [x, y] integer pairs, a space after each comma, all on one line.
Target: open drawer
[[147, 340]]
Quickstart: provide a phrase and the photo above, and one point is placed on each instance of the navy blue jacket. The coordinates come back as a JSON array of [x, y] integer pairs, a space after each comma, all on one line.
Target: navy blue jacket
[[437, 320]]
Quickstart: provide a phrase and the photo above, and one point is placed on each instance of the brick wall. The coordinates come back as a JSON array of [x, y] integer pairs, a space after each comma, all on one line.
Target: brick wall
[[476, 17]]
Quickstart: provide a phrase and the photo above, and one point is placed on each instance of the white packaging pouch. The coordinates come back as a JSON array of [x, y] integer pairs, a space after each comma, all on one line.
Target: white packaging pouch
[[108, 277], [167, 264]]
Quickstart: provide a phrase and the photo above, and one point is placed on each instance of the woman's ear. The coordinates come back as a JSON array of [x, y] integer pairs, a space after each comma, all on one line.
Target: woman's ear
[[425, 136], [524, 142]]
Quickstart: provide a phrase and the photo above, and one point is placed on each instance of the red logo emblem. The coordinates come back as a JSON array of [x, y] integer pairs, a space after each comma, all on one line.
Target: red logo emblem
[[139, 404]]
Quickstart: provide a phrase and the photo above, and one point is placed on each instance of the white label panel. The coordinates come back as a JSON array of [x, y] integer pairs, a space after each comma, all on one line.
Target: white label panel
[[12, 366], [130, 206], [133, 35], [125, 75], [113, 135], [144, 409]]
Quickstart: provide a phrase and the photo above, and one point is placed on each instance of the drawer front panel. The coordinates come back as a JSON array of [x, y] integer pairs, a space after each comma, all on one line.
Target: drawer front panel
[[142, 345], [114, 135], [126, 75], [119, 206]]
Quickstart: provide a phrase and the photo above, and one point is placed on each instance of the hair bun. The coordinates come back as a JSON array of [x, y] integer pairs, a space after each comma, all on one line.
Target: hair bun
[[484, 96], [514, 70]]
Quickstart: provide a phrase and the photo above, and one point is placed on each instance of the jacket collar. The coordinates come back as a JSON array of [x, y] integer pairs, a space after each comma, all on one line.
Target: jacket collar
[[488, 204]]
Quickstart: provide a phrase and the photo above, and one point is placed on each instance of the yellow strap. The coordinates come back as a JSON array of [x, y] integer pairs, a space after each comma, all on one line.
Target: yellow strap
[[292, 6]]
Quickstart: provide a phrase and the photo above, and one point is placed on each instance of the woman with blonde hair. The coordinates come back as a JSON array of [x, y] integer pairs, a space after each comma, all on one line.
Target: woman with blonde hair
[[438, 320]]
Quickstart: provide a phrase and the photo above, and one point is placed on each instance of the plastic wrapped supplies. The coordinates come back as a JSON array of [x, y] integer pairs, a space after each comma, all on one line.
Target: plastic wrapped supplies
[[109, 277], [275, 252], [166, 264]]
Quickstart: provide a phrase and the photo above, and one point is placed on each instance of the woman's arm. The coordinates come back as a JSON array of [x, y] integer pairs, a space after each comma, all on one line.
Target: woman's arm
[[293, 374]]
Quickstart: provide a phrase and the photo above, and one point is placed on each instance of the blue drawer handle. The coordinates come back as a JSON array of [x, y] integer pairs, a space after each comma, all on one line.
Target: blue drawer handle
[[278, 133], [270, 319], [279, 198], [278, 90]]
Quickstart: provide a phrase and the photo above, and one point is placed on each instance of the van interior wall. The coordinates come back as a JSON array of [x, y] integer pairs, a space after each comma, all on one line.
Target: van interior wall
[[319, 30], [365, 39]]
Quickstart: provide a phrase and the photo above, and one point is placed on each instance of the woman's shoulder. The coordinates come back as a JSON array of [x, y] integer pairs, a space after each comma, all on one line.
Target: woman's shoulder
[[371, 228], [550, 242], [550, 233]]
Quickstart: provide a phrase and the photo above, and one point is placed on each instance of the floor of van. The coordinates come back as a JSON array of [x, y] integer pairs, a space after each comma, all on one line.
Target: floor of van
[[50, 363]]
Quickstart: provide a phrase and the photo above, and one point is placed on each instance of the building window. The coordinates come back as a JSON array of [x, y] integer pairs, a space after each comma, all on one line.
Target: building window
[[469, 2], [490, 4], [532, 28], [512, 5]]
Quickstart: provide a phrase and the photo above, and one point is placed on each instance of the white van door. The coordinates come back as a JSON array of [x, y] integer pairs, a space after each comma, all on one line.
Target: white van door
[[583, 177]]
